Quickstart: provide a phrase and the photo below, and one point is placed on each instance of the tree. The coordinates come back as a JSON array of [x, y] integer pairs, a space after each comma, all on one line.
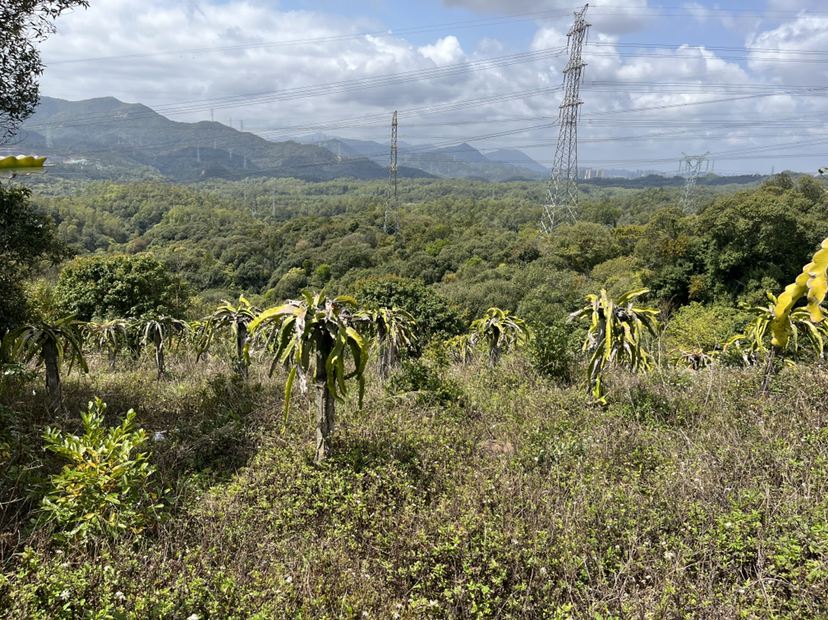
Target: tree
[[23, 24], [584, 245], [615, 335], [122, 286], [53, 343], [759, 240], [26, 239], [501, 331], [320, 326]]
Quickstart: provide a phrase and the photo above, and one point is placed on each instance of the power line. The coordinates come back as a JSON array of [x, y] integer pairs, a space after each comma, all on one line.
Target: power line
[[292, 43], [316, 90]]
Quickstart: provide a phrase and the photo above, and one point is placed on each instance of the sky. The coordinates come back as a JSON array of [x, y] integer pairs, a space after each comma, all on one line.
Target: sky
[[744, 82]]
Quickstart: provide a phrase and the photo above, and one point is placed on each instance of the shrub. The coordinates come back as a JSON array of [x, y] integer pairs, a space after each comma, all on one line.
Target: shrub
[[427, 382], [104, 489], [705, 327], [552, 353], [119, 286], [434, 314]]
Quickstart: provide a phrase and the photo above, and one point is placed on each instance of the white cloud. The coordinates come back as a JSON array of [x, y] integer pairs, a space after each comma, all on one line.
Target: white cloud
[[507, 7], [256, 48], [699, 12], [251, 53], [792, 5], [446, 51], [792, 53]]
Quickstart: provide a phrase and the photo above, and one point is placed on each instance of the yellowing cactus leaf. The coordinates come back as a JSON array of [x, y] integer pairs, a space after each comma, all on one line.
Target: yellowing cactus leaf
[[818, 283], [814, 281]]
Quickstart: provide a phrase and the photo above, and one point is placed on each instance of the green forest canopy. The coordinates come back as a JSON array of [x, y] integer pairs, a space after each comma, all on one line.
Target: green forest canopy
[[474, 242]]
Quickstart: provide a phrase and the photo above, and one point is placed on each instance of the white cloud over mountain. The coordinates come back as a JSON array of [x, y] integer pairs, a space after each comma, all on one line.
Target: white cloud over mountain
[[277, 69]]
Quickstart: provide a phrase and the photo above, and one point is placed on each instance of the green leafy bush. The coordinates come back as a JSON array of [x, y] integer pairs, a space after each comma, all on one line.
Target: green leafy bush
[[551, 351], [704, 327], [104, 489], [427, 382], [434, 314], [119, 286]]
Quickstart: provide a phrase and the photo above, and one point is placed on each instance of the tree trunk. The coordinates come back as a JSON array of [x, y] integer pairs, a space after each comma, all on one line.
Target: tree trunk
[[494, 355], [241, 340], [50, 360], [770, 368], [385, 353], [159, 353], [324, 403]]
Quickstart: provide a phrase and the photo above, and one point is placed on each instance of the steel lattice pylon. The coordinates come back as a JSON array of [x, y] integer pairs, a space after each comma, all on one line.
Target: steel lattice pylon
[[690, 168], [392, 215], [562, 189]]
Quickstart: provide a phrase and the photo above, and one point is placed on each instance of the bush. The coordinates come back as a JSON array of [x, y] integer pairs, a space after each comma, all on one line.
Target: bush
[[435, 315], [552, 352], [427, 382], [120, 286], [704, 327], [104, 489]]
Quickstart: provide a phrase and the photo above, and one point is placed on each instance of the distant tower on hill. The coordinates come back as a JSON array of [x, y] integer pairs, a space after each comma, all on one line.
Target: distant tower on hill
[[562, 189]]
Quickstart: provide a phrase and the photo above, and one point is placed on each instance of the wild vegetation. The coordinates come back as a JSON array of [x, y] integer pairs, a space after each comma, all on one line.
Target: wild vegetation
[[459, 455]]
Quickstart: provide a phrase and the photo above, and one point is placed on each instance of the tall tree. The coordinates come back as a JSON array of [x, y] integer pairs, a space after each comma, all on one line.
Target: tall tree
[[24, 24], [26, 239]]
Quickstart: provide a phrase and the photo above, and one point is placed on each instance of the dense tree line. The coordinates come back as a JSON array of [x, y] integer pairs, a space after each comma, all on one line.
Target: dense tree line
[[476, 243]]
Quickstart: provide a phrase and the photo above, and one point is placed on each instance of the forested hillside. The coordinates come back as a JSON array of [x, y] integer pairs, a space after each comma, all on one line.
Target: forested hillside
[[475, 242], [106, 138]]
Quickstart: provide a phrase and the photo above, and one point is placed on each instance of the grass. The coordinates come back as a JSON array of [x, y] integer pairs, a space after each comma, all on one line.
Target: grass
[[691, 495]]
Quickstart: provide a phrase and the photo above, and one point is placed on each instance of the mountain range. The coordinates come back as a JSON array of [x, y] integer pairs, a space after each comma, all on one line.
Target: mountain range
[[455, 161], [108, 138]]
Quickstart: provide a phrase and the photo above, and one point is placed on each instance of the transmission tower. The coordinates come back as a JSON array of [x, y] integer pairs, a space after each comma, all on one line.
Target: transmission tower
[[690, 167], [562, 189], [392, 215]]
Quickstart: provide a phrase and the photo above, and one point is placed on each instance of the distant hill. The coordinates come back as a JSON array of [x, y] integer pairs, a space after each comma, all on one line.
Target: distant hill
[[464, 152], [517, 158], [98, 135], [465, 162], [458, 161], [657, 180]]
